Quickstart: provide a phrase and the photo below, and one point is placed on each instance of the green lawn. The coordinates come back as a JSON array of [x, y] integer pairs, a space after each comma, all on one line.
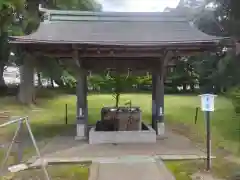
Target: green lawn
[[180, 112], [56, 172], [182, 170]]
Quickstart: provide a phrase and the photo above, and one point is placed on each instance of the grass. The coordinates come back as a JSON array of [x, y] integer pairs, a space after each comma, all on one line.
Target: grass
[[179, 114], [56, 172], [182, 170], [224, 124]]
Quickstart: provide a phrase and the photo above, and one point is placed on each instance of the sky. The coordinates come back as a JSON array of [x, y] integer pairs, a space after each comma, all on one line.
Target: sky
[[137, 5]]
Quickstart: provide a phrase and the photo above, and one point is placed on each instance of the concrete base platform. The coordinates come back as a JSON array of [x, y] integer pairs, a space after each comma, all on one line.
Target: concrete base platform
[[81, 128], [106, 137]]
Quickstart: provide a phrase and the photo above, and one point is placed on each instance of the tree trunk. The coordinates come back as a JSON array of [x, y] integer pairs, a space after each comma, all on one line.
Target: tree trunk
[[39, 79], [52, 83], [3, 86], [117, 100], [192, 87], [184, 88], [26, 90], [2, 82]]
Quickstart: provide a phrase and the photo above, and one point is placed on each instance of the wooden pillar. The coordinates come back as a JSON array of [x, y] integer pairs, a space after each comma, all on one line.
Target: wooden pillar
[[154, 123], [81, 92], [86, 103], [159, 94], [160, 97], [26, 89], [82, 109], [159, 103]]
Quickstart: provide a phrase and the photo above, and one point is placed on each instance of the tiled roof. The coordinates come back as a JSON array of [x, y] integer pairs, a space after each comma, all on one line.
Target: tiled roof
[[114, 28]]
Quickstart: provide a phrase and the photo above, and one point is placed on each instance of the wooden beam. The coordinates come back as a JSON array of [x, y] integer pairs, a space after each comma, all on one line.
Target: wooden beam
[[134, 72], [121, 54], [135, 54], [120, 64]]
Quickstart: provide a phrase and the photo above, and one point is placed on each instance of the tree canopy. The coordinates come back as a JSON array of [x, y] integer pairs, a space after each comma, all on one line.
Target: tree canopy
[[212, 72], [20, 17]]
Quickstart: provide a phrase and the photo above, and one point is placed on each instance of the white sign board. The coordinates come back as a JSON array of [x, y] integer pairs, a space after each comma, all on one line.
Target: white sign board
[[160, 111], [207, 102], [80, 112]]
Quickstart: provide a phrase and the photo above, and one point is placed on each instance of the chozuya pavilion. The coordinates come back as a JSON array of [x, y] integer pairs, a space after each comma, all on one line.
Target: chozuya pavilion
[[96, 41]]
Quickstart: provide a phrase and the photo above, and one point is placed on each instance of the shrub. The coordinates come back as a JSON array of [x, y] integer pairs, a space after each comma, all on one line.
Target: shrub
[[170, 89], [234, 95]]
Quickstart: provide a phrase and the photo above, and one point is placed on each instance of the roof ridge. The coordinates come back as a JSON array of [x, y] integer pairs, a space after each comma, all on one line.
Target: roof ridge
[[116, 13], [63, 15]]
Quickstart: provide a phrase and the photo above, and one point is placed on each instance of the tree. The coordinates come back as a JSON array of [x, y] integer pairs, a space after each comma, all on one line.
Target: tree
[[8, 8], [220, 71], [216, 72], [183, 75], [29, 21], [72, 5], [4, 53], [221, 15], [228, 16]]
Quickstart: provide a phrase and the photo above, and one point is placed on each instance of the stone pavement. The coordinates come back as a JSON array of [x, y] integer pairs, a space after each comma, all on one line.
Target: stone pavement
[[65, 147], [145, 169], [121, 161]]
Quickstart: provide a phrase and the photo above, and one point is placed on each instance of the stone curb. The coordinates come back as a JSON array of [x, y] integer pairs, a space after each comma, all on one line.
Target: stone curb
[[87, 160], [93, 171]]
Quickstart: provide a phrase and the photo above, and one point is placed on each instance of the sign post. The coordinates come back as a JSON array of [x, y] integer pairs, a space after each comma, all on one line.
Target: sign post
[[207, 106]]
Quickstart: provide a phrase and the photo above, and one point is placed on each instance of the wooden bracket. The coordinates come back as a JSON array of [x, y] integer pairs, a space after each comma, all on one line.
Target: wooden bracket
[[76, 58], [237, 48], [167, 56]]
